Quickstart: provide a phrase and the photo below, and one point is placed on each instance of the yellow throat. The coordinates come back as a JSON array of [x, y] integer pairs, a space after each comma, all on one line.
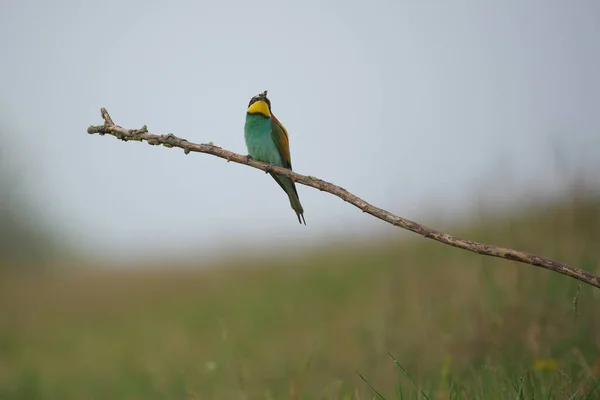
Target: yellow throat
[[259, 107]]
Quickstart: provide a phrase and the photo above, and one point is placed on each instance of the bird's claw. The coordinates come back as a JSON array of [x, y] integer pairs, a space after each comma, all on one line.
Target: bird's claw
[[248, 157], [269, 168]]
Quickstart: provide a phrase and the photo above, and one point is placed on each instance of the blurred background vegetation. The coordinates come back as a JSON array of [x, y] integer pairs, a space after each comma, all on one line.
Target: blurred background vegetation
[[325, 324], [23, 234]]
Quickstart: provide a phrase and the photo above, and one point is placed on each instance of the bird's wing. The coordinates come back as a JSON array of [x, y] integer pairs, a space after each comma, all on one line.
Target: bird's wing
[[282, 142]]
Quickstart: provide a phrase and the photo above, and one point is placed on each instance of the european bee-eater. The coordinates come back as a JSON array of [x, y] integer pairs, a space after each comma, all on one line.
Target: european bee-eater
[[267, 140]]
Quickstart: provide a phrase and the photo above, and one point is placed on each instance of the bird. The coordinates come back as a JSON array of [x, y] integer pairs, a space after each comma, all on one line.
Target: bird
[[267, 141]]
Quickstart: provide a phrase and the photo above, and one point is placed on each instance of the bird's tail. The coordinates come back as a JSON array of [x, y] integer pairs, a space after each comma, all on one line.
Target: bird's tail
[[290, 188]]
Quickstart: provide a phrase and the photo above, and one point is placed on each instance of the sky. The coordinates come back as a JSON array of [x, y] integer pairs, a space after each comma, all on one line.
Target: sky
[[420, 107]]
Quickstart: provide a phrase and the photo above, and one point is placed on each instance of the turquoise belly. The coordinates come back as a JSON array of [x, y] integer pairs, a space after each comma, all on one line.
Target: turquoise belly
[[259, 141]]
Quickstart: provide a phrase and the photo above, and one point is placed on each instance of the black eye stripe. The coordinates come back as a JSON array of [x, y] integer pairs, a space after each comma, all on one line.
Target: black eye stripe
[[262, 96]]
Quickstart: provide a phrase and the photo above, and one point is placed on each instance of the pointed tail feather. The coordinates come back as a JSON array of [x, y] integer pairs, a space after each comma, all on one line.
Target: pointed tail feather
[[290, 188]]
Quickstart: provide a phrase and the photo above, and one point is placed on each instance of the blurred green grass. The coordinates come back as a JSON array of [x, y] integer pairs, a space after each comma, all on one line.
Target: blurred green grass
[[462, 325]]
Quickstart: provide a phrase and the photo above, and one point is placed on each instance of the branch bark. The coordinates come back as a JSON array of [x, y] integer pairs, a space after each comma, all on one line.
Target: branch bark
[[170, 140]]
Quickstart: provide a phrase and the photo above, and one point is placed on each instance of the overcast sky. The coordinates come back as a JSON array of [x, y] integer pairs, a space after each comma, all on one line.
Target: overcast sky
[[408, 104]]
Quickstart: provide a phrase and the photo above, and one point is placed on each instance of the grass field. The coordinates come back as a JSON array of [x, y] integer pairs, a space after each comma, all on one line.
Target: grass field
[[323, 326]]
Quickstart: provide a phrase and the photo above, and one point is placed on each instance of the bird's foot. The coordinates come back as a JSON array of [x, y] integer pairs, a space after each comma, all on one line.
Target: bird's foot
[[249, 157], [269, 168]]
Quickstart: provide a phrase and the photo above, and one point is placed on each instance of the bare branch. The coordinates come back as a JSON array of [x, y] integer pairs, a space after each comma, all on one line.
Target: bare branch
[[170, 140]]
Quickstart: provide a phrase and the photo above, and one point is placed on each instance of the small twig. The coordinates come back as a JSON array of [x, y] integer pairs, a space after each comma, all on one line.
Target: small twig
[[106, 117], [171, 140]]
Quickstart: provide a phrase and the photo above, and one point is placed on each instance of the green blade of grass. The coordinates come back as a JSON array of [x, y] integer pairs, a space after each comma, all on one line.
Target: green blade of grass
[[520, 390], [371, 386], [452, 389], [400, 391], [408, 375], [574, 394], [595, 388]]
